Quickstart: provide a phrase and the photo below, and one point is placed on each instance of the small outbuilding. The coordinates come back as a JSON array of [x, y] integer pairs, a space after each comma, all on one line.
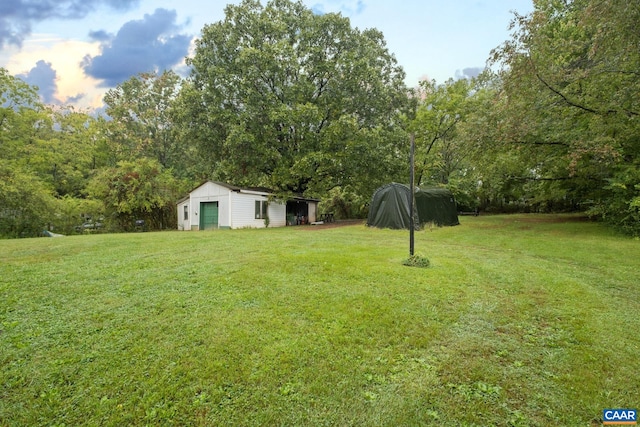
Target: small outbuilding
[[214, 205], [389, 207], [436, 205]]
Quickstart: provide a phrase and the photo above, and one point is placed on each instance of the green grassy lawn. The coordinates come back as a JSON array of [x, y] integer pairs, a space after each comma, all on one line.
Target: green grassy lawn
[[521, 320]]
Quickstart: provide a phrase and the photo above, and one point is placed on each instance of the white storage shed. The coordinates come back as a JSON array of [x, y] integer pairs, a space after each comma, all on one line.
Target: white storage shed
[[219, 205]]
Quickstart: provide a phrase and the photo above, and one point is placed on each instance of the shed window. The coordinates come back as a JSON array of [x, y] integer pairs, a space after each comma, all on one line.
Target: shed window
[[186, 212], [261, 209]]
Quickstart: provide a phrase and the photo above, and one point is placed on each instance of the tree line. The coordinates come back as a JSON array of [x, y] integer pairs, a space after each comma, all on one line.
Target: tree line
[[283, 98]]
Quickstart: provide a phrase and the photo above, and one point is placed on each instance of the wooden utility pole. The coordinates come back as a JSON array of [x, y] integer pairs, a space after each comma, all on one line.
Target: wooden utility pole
[[411, 188]]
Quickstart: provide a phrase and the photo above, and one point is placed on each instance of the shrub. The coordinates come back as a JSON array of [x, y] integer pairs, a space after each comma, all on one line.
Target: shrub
[[417, 260]]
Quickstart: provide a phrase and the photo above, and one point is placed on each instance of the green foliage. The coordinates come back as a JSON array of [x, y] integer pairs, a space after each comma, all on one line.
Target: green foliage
[[304, 103], [441, 108], [568, 106], [15, 95], [296, 101], [345, 203], [65, 154], [26, 203], [21, 117], [70, 213], [620, 200], [140, 190], [143, 113], [25, 198], [417, 260]]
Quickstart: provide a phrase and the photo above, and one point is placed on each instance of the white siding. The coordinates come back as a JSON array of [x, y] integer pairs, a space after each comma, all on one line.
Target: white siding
[[277, 214], [236, 209], [181, 220], [243, 211], [313, 211], [210, 192]]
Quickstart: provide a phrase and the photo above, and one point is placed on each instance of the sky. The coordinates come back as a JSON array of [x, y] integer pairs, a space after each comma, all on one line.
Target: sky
[[75, 50]]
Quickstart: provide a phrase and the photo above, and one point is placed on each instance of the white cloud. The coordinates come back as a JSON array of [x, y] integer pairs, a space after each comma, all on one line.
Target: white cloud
[[346, 7], [65, 57]]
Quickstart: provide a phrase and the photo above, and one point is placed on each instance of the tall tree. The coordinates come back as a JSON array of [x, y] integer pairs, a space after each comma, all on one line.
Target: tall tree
[[25, 199], [65, 155], [570, 104], [21, 115], [142, 125], [441, 109], [282, 97]]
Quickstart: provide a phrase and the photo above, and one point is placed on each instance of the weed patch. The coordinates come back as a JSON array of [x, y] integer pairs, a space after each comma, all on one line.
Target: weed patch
[[417, 261]]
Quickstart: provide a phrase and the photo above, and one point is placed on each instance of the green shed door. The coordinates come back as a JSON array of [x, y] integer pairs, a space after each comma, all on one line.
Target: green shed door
[[208, 215]]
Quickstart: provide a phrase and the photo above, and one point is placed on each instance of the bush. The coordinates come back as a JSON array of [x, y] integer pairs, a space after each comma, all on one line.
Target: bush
[[25, 203], [619, 205], [417, 260], [344, 204]]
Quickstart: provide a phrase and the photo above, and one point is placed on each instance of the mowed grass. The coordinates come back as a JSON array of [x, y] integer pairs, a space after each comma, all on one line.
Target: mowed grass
[[523, 320]]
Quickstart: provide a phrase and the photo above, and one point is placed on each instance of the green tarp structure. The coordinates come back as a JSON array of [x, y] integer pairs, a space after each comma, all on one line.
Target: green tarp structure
[[436, 205], [389, 207]]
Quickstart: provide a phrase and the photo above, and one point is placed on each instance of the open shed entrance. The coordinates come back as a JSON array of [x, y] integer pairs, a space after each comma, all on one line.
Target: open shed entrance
[[297, 212]]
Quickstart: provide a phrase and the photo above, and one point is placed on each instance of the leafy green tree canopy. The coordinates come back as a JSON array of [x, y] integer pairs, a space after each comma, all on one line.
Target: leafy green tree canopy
[[142, 125], [20, 114], [140, 190], [25, 199], [280, 96], [441, 109], [570, 105]]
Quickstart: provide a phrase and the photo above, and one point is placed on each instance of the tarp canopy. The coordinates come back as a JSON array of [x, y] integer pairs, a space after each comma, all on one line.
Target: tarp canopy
[[389, 207], [436, 205]]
